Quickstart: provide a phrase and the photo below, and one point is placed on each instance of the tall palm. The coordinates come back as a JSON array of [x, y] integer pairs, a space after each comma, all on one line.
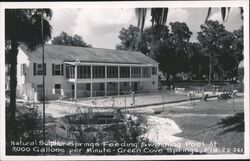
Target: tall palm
[[23, 26]]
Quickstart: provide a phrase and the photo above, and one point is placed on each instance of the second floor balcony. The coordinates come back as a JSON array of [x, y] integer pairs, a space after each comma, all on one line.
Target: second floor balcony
[[107, 72]]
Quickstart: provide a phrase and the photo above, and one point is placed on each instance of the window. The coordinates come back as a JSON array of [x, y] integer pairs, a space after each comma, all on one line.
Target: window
[[57, 69], [70, 71], [83, 71], [23, 69], [39, 88], [112, 72], [124, 72], [146, 72], [136, 72], [154, 71], [38, 69], [98, 71], [57, 88]]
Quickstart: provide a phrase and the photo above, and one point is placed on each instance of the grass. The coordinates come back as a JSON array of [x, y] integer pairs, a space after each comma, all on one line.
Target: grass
[[213, 120]]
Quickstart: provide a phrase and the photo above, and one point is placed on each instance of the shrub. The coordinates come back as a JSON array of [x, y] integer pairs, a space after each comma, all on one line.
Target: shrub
[[28, 125]]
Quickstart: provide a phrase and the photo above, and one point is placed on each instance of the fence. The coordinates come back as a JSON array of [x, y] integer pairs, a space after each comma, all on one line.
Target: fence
[[123, 99]]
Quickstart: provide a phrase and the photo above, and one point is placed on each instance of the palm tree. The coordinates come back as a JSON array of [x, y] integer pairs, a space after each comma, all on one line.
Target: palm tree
[[23, 26]]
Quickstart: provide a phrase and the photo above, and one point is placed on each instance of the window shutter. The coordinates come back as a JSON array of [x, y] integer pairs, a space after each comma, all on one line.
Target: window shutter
[[44, 68], [34, 68], [53, 68], [62, 72], [24, 69], [21, 69]]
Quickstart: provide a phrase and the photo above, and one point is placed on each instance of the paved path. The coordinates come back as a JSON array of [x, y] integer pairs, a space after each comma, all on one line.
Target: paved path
[[162, 131]]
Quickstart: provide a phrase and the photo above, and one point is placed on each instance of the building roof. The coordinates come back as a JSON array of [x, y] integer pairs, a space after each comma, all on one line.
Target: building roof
[[96, 55]]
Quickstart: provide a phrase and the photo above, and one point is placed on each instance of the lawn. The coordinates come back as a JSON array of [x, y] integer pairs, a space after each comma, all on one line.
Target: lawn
[[214, 120]]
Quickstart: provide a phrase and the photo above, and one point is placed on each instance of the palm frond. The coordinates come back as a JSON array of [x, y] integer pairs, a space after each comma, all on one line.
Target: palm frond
[[33, 38], [164, 15], [47, 13], [208, 14], [241, 12], [223, 13], [159, 16], [138, 16], [144, 13]]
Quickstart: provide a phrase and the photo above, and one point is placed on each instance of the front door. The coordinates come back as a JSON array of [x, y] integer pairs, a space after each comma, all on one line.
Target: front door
[[39, 92]]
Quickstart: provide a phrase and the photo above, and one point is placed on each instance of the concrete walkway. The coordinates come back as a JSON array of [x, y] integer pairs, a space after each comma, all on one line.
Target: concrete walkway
[[162, 130]]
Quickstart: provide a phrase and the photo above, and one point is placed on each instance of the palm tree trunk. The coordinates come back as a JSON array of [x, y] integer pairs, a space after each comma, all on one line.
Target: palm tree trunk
[[155, 40], [152, 47], [210, 66], [138, 41], [167, 76], [210, 69], [236, 71], [13, 85]]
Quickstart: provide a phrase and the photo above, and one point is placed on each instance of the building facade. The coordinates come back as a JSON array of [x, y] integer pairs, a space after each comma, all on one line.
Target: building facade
[[77, 72]]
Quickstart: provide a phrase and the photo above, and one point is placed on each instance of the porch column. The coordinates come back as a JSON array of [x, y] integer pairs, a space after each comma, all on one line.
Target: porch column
[[118, 88], [91, 89], [105, 88], [130, 72], [106, 72], [141, 78], [75, 84], [118, 72], [91, 71]]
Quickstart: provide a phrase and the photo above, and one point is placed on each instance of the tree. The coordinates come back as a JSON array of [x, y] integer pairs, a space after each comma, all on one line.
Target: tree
[[231, 49], [23, 26], [198, 62], [238, 48], [128, 36], [65, 39], [158, 20], [226, 59], [172, 49], [180, 35], [224, 48], [209, 37]]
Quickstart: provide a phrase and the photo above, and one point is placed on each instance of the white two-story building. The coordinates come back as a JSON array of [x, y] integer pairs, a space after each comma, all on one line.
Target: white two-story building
[[76, 72]]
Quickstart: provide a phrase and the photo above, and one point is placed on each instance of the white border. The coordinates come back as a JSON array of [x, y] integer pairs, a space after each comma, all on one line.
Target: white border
[[170, 4]]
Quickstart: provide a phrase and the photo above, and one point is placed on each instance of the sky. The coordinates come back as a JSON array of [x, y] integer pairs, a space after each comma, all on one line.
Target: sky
[[100, 26]]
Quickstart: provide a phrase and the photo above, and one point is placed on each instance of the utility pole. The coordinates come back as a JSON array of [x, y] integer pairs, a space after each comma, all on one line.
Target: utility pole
[[42, 40]]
